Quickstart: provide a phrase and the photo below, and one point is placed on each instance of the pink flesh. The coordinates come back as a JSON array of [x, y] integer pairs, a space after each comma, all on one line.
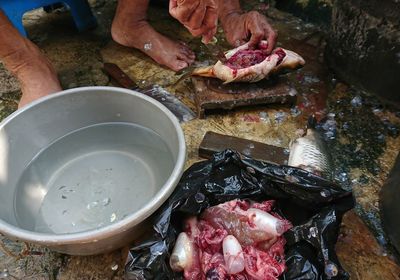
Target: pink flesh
[[249, 57], [265, 265], [281, 53], [263, 253], [245, 58], [210, 238], [232, 216], [264, 206]]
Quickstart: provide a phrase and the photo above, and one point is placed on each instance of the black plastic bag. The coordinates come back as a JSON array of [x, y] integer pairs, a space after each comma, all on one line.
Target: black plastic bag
[[314, 205]]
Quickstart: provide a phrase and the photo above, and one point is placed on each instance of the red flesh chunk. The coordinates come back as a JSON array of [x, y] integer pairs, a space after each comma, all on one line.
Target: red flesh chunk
[[245, 58], [281, 53], [263, 251], [210, 238], [265, 265], [248, 57]]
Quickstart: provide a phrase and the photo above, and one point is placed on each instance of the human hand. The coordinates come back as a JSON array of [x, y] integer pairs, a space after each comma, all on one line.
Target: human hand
[[200, 17], [252, 27]]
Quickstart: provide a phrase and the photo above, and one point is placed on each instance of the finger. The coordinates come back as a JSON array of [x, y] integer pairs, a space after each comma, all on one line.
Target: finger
[[272, 37], [207, 37], [209, 27], [173, 4], [197, 17], [236, 41], [211, 18], [184, 12], [212, 32], [197, 32], [257, 34]]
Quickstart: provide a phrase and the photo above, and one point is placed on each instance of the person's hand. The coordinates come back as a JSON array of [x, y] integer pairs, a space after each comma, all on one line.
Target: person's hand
[[252, 27], [200, 17]]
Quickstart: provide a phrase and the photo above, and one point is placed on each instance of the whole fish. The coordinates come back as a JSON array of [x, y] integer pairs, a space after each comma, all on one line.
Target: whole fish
[[310, 152], [244, 64]]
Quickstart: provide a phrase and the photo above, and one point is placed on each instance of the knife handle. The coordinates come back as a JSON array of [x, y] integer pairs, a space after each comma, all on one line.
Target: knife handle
[[119, 76]]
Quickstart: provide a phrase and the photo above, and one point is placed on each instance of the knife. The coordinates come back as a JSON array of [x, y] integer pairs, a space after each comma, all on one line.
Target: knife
[[177, 107], [215, 50]]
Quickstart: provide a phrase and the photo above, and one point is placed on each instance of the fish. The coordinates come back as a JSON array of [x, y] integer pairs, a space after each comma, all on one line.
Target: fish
[[310, 152], [245, 64]]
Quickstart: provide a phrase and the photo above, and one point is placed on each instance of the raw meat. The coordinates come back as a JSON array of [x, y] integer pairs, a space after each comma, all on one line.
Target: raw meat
[[249, 225], [234, 240], [251, 65]]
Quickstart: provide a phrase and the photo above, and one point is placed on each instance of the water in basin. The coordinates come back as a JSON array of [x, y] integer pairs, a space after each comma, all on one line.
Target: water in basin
[[92, 177]]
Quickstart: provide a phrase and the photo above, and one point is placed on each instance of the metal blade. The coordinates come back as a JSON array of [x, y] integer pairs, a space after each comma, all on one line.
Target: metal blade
[[215, 50], [177, 107]]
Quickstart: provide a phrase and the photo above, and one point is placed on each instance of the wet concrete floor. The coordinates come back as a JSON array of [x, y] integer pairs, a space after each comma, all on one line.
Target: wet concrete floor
[[361, 132]]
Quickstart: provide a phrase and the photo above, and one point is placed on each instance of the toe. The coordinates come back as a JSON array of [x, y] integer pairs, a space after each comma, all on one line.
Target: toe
[[185, 48], [188, 53], [178, 65], [185, 57]]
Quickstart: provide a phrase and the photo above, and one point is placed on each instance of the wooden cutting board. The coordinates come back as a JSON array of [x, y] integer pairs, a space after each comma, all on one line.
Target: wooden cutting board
[[211, 94]]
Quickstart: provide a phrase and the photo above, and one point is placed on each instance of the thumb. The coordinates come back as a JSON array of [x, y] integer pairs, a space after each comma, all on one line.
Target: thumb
[[208, 37], [173, 4], [256, 36]]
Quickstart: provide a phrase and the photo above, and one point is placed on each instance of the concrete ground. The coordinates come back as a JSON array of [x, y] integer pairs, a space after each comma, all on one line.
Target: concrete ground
[[78, 59]]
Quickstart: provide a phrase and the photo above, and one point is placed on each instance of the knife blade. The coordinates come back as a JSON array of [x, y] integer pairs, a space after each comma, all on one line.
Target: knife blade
[[177, 107], [215, 50]]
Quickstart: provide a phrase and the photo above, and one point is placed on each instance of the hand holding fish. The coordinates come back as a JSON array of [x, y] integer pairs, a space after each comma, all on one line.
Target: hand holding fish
[[252, 27], [200, 17]]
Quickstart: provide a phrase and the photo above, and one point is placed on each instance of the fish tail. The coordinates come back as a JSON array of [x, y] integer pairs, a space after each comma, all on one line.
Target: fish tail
[[204, 72]]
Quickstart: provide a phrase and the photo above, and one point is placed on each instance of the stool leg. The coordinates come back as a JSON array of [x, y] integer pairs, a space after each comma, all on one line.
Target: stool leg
[[82, 14]]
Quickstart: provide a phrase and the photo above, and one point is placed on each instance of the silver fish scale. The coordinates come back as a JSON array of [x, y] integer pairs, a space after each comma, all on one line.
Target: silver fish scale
[[314, 158], [309, 153]]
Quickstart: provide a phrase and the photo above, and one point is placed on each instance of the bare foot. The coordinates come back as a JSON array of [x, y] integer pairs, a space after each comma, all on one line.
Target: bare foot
[[131, 29], [37, 80], [24, 59], [35, 73]]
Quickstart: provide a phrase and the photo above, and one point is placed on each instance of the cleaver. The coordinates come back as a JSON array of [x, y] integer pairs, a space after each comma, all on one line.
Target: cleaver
[[215, 142], [177, 107]]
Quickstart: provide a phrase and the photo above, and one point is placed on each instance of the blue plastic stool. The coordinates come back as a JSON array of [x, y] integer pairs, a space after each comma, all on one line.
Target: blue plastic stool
[[80, 10]]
